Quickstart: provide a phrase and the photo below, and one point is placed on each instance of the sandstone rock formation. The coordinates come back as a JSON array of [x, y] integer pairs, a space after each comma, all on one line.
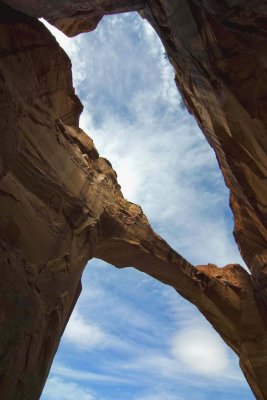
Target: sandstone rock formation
[[60, 203]]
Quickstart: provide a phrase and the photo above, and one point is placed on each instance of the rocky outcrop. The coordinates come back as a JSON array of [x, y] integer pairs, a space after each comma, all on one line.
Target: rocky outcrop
[[74, 17], [60, 203]]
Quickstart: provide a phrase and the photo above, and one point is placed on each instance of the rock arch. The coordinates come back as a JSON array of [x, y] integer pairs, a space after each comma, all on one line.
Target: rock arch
[[60, 203]]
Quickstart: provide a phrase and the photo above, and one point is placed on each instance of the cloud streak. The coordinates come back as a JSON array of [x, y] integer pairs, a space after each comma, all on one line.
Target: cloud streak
[[85, 335], [58, 388]]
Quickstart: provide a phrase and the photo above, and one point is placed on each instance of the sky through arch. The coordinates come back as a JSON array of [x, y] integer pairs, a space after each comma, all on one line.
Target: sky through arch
[[130, 337]]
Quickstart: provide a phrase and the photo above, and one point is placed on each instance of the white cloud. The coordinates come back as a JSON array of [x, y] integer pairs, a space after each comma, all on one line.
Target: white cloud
[[72, 374], [57, 388], [169, 369], [85, 335], [201, 350]]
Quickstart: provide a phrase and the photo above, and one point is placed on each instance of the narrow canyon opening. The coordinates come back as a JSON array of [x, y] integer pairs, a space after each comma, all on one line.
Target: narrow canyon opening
[[129, 331]]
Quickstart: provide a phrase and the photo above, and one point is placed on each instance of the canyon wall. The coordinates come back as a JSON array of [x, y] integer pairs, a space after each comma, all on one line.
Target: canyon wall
[[60, 203]]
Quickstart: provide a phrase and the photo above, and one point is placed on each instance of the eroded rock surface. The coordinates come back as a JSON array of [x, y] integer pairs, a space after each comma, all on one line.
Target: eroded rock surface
[[74, 17], [60, 203]]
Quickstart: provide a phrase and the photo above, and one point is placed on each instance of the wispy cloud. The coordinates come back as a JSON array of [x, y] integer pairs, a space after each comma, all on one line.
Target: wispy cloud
[[62, 371], [57, 388], [85, 335]]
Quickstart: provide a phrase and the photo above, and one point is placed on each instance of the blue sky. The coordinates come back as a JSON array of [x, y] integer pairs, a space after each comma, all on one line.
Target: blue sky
[[130, 337]]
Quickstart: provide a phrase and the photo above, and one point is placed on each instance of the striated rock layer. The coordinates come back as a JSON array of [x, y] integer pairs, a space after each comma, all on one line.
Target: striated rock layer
[[60, 203]]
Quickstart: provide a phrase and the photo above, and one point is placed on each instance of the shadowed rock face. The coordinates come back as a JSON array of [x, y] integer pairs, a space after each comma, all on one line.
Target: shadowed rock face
[[60, 203], [74, 17]]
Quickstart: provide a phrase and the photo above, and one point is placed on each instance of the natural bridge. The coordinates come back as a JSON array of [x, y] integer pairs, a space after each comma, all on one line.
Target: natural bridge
[[61, 205]]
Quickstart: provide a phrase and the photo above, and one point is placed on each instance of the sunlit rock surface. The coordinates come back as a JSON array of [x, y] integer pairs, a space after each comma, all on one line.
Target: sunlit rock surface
[[60, 203]]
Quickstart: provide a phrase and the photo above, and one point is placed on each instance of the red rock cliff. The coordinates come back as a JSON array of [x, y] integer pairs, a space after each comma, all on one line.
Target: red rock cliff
[[60, 203]]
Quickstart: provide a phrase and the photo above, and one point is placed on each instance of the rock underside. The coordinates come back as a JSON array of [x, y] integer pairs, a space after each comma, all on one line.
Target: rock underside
[[61, 205]]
